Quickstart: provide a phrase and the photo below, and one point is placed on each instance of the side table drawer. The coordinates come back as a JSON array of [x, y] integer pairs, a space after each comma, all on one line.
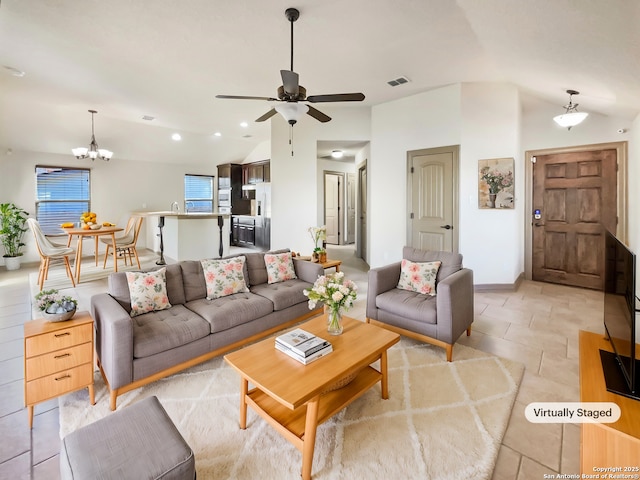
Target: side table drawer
[[58, 383], [57, 361], [63, 338]]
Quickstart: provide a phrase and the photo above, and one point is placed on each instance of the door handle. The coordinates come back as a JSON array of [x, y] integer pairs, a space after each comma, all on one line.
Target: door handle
[[448, 227], [537, 224]]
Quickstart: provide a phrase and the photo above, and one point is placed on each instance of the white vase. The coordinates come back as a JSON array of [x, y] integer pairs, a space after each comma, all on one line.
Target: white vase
[[12, 263]]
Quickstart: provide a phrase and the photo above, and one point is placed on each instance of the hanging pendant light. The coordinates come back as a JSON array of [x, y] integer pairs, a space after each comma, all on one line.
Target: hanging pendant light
[[93, 151], [572, 116]]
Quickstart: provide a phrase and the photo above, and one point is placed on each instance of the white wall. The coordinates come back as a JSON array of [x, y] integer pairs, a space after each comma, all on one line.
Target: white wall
[[491, 240], [426, 120], [294, 178], [118, 187]]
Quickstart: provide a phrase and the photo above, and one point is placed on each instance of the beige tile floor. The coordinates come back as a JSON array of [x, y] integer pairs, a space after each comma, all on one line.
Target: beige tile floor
[[537, 325]]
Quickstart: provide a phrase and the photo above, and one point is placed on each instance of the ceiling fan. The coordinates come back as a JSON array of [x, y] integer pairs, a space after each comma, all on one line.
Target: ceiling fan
[[290, 93]]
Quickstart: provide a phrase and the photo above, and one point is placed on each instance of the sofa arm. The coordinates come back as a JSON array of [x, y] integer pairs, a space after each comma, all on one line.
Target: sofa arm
[[114, 339], [454, 304], [307, 271], [381, 279]]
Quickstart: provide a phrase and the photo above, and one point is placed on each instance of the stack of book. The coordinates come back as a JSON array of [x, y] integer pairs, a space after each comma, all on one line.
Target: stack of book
[[303, 346]]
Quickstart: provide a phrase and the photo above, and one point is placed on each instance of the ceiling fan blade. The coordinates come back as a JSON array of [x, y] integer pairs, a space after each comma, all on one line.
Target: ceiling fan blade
[[290, 82], [318, 115], [242, 97], [336, 97], [267, 115]]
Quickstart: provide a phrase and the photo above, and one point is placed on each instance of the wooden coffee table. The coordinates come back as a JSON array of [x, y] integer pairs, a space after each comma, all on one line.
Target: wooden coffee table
[[295, 398]]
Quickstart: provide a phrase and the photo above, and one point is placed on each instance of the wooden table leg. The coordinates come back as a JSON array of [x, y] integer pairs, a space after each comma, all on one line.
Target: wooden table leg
[[244, 389], [384, 382], [30, 414], [92, 395], [78, 258], [309, 442], [115, 253], [96, 248]]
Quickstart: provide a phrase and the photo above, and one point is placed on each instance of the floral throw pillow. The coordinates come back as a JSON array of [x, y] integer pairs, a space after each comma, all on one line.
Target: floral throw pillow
[[224, 277], [418, 276], [279, 267], [148, 291]]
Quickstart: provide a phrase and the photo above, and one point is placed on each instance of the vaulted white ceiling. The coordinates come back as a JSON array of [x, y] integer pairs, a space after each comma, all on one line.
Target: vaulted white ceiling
[[169, 59]]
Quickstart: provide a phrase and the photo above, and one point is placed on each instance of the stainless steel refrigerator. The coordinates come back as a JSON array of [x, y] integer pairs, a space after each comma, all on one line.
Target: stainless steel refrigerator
[[263, 216]]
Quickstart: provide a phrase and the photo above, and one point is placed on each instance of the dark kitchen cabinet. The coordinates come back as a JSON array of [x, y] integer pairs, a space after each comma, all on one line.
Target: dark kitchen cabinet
[[230, 199], [243, 231], [256, 172]]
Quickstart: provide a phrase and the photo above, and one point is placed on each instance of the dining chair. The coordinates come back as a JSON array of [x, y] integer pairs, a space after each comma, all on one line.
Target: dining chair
[[126, 244], [49, 251]]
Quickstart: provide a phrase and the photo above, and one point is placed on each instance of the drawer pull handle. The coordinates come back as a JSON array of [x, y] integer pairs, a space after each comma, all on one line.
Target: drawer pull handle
[[62, 356], [58, 335], [63, 377]]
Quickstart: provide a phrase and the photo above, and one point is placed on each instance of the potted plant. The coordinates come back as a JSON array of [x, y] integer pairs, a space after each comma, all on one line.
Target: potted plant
[[318, 234], [54, 306], [12, 229]]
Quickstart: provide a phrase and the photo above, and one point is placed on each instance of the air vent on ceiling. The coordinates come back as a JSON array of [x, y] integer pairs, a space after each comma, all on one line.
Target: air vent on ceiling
[[398, 81], [148, 118], [247, 136]]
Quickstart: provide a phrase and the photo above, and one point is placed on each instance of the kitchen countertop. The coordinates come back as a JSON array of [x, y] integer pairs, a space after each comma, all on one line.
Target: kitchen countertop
[[168, 213]]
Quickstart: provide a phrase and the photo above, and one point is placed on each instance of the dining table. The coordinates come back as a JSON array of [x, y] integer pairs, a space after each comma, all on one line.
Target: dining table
[[82, 233]]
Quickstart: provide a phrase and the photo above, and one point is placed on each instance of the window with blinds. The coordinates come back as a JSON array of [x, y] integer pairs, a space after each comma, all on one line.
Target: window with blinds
[[198, 193], [62, 194]]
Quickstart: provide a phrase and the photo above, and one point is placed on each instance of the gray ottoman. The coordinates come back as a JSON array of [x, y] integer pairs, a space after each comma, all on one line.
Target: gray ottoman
[[138, 442]]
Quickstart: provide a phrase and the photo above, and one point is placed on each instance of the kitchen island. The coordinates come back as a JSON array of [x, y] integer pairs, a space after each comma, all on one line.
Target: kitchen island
[[190, 236]]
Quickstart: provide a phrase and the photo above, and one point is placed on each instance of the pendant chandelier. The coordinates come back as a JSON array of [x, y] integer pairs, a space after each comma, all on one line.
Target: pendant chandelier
[[93, 151], [571, 117]]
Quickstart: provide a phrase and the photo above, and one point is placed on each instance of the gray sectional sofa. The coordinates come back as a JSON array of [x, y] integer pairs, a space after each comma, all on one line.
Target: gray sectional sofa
[[136, 351]]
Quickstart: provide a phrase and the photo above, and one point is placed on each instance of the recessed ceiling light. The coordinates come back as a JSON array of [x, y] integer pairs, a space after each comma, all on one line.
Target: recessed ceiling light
[[244, 124], [176, 136], [337, 154], [217, 134]]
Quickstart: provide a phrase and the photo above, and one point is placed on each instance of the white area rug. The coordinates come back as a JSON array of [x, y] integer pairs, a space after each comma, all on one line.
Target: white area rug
[[442, 420]]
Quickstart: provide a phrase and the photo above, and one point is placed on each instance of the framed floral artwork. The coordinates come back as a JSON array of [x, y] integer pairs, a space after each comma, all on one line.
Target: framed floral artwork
[[495, 183]]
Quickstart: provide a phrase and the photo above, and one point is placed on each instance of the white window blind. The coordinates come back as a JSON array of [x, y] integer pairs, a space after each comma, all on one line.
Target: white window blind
[[198, 193], [62, 194]]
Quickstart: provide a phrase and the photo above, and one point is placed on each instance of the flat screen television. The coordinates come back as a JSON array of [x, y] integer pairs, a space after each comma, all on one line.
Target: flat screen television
[[621, 368]]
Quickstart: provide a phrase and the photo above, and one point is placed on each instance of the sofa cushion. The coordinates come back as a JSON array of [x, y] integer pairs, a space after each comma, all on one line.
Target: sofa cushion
[[148, 291], [160, 331], [451, 262], [119, 287], [227, 312], [418, 276], [279, 267], [256, 267], [283, 294], [224, 277], [412, 305], [193, 280]]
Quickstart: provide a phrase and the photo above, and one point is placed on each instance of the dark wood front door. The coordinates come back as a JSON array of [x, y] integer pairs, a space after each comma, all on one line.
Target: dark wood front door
[[576, 194]]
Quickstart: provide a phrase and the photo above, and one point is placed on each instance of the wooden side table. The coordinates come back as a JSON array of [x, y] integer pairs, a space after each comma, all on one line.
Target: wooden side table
[[606, 444], [58, 359]]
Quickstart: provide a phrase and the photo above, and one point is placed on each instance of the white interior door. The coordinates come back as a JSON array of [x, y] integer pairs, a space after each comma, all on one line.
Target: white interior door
[[362, 217], [332, 207], [351, 208], [433, 202]]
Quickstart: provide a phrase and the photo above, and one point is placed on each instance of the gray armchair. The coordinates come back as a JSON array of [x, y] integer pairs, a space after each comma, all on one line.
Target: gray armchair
[[439, 319]]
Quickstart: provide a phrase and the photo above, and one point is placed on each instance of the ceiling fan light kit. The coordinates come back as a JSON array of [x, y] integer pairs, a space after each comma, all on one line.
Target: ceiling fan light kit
[[290, 93], [93, 151], [571, 117]]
